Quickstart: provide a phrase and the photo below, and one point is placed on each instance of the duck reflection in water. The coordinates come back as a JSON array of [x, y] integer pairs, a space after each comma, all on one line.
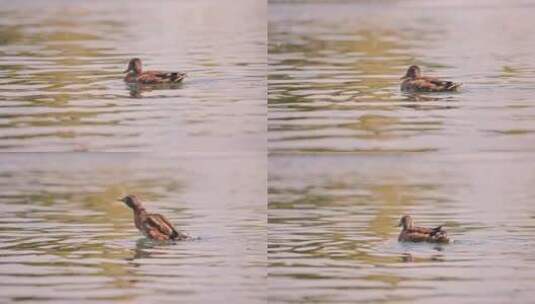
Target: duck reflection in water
[[136, 90], [142, 249], [426, 102], [410, 258]]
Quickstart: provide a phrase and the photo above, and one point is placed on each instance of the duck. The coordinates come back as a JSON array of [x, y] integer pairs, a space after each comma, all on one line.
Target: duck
[[152, 225], [413, 81], [135, 74], [411, 233]]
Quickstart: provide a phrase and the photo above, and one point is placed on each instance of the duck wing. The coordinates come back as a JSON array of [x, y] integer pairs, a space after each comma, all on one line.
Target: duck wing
[[437, 85], [421, 230], [421, 234], [413, 236], [161, 77], [428, 231], [163, 225], [428, 84]]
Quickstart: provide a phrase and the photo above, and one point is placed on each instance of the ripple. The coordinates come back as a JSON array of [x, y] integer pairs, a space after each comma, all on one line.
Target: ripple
[[332, 65], [63, 88], [333, 236], [64, 238]]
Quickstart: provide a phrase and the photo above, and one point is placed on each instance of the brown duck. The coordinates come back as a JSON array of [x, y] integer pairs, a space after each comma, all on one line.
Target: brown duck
[[413, 81], [411, 233], [135, 74], [154, 226]]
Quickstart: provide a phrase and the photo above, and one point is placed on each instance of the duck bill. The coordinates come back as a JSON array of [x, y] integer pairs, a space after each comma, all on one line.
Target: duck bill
[[126, 71]]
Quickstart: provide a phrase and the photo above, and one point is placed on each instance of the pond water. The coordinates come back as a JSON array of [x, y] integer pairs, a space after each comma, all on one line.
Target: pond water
[[65, 239], [333, 235], [350, 154], [194, 152], [61, 75]]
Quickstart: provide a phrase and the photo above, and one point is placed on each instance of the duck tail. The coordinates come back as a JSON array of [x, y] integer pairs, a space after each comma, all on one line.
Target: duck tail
[[438, 235], [441, 237], [453, 86], [436, 230], [178, 77]]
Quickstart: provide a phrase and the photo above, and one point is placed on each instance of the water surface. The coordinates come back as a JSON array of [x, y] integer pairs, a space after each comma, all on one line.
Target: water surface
[[334, 72], [333, 235], [65, 239], [350, 154], [61, 76]]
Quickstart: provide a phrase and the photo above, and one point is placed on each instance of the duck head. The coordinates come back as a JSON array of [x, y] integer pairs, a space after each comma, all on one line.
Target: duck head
[[412, 73], [406, 222], [132, 201], [134, 65]]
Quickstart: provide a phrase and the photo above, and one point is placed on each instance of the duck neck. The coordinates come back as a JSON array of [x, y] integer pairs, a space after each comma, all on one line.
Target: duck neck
[[407, 225], [138, 211], [137, 70]]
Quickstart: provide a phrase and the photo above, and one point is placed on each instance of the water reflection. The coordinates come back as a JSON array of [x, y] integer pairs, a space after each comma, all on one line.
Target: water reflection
[[136, 89], [143, 249]]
